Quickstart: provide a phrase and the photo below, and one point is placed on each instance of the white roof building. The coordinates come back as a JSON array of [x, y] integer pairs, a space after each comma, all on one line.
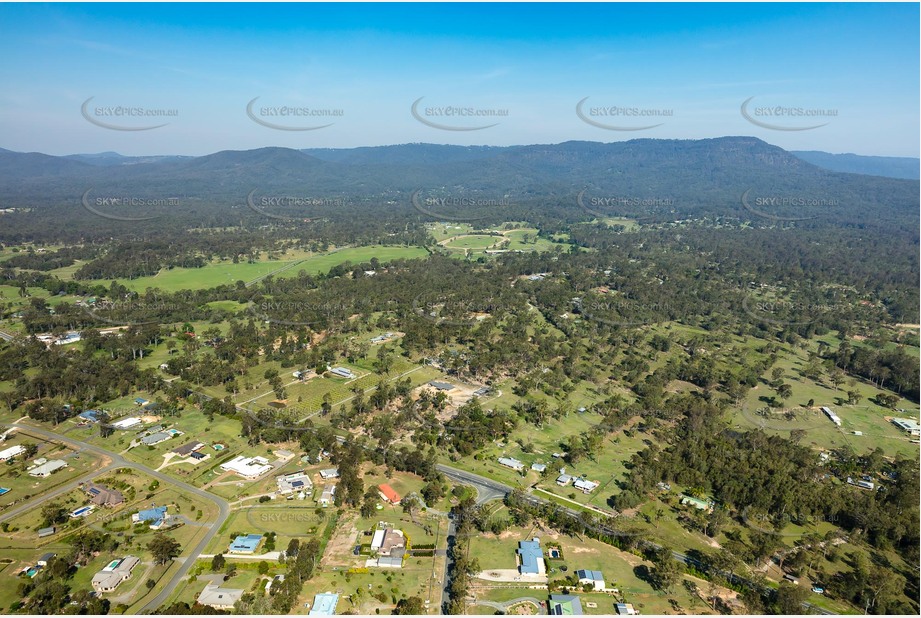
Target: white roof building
[[832, 416], [13, 451], [48, 468], [247, 467], [377, 540], [127, 423], [342, 372], [220, 598], [511, 462]]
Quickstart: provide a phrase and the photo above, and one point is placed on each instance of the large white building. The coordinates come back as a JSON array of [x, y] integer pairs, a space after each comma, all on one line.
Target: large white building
[[247, 467], [834, 418], [127, 423], [13, 451]]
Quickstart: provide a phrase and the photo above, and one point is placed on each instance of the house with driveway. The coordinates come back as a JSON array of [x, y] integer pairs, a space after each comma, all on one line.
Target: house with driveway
[[114, 573]]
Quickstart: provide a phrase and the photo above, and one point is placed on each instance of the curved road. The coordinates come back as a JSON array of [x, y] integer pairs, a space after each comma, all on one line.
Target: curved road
[[120, 462]]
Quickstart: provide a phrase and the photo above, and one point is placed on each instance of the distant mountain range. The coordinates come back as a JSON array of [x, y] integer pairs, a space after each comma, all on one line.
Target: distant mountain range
[[684, 178], [890, 167], [908, 168]]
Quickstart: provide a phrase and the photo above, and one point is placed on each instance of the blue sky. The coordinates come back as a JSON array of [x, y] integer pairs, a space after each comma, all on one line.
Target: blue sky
[[857, 63]]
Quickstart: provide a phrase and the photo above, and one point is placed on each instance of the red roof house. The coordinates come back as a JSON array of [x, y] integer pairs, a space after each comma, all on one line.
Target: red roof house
[[388, 494]]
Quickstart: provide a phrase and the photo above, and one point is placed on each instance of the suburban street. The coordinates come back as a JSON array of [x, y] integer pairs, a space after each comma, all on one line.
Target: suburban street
[[185, 563], [31, 504]]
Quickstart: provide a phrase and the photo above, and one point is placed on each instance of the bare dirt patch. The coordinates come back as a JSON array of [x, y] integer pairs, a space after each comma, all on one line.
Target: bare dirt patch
[[339, 549]]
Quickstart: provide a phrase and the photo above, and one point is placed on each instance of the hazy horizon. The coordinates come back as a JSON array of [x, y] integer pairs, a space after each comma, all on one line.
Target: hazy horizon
[[170, 154], [838, 78]]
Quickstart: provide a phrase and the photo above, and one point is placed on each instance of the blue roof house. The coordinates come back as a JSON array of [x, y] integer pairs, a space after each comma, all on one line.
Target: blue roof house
[[532, 558], [324, 604], [155, 516]]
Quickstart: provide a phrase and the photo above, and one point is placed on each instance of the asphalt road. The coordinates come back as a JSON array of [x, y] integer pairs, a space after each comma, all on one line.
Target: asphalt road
[[449, 561], [487, 489], [120, 462]]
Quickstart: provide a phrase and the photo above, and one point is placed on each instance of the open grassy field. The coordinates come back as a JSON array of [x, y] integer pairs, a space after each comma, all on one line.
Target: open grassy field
[[473, 242], [525, 239], [226, 272], [306, 397], [442, 231], [629, 225], [866, 416]]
